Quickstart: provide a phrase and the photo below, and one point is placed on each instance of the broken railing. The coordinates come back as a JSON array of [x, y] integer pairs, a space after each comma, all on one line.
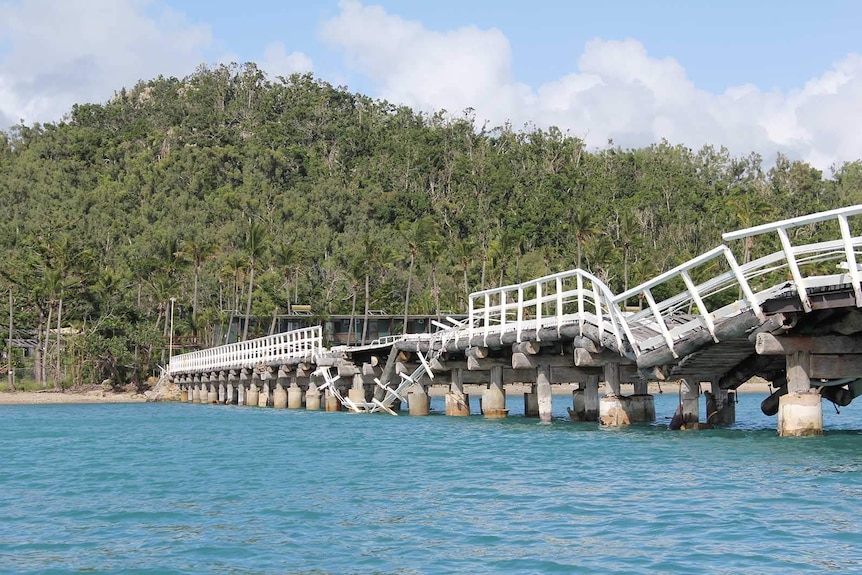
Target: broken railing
[[573, 297]]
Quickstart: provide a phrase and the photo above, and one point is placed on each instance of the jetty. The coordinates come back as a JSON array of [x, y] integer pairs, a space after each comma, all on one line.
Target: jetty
[[791, 317]]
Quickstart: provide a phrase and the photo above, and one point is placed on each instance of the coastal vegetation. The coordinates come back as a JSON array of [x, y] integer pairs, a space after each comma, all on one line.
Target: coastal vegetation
[[227, 195]]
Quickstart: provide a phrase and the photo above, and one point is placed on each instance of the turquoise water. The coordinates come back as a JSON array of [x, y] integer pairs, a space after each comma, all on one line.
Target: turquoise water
[[180, 488]]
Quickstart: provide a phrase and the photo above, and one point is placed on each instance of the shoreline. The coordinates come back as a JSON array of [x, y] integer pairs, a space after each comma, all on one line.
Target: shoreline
[[48, 397]]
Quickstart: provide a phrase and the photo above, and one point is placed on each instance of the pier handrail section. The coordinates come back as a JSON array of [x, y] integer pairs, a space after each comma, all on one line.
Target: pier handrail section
[[298, 345], [573, 297], [686, 310]]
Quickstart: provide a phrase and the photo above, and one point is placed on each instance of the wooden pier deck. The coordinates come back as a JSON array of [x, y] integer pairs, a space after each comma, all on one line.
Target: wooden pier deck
[[792, 317]]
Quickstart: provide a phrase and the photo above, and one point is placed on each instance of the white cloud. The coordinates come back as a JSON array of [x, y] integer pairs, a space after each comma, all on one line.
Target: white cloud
[[55, 54], [276, 62], [617, 91]]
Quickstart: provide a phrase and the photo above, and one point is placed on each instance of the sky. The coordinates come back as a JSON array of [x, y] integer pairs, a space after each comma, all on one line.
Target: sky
[[761, 76]]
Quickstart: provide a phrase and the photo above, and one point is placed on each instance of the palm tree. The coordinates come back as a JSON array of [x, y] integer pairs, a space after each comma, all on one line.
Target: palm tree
[[464, 255], [749, 211], [414, 235], [628, 230], [357, 274], [584, 229], [286, 257], [502, 249], [256, 241], [196, 251], [370, 259], [601, 253], [433, 251]]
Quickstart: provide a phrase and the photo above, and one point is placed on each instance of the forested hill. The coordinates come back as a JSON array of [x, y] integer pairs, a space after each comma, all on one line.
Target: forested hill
[[201, 188]]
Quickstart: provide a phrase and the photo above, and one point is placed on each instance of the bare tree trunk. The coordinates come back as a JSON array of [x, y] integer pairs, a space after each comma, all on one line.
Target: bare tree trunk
[[436, 291], [407, 297], [10, 365], [352, 317], [195, 300], [274, 320], [45, 346], [57, 371], [367, 302], [37, 359], [248, 303]]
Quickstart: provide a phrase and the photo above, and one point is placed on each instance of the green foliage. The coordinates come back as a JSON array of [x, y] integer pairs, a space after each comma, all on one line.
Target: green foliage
[[236, 195]]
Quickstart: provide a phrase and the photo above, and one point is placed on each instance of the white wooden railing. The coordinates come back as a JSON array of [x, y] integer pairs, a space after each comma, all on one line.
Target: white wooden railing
[[574, 297], [300, 344]]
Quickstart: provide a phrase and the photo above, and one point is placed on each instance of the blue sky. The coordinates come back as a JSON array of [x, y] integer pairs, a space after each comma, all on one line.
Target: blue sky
[[771, 44], [763, 76]]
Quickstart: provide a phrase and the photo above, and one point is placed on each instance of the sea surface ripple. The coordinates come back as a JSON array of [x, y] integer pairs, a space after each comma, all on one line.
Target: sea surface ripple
[[181, 488]]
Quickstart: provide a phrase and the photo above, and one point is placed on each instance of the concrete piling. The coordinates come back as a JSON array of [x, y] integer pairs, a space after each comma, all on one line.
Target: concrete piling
[[543, 393], [332, 403], [418, 402], [494, 398], [294, 396], [457, 402], [800, 412], [279, 397], [614, 409], [252, 395]]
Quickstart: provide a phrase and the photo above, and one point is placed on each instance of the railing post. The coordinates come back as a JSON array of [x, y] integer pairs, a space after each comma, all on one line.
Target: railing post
[[487, 318], [581, 318], [599, 314], [850, 254], [743, 283], [794, 269], [520, 318], [539, 310], [470, 319], [704, 313], [660, 321]]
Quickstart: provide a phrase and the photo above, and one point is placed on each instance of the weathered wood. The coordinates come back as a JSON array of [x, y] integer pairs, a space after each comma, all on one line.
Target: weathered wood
[[477, 352], [587, 344], [573, 374], [476, 364], [346, 369], [654, 373], [611, 377], [823, 366], [527, 347], [764, 366], [728, 329], [585, 358], [850, 323], [526, 361], [370, 369], [798, 372], [388, 372], [770, 344]]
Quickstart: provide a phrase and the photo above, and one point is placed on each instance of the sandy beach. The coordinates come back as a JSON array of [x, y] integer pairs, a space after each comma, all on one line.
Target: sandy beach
[[45, 397]]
